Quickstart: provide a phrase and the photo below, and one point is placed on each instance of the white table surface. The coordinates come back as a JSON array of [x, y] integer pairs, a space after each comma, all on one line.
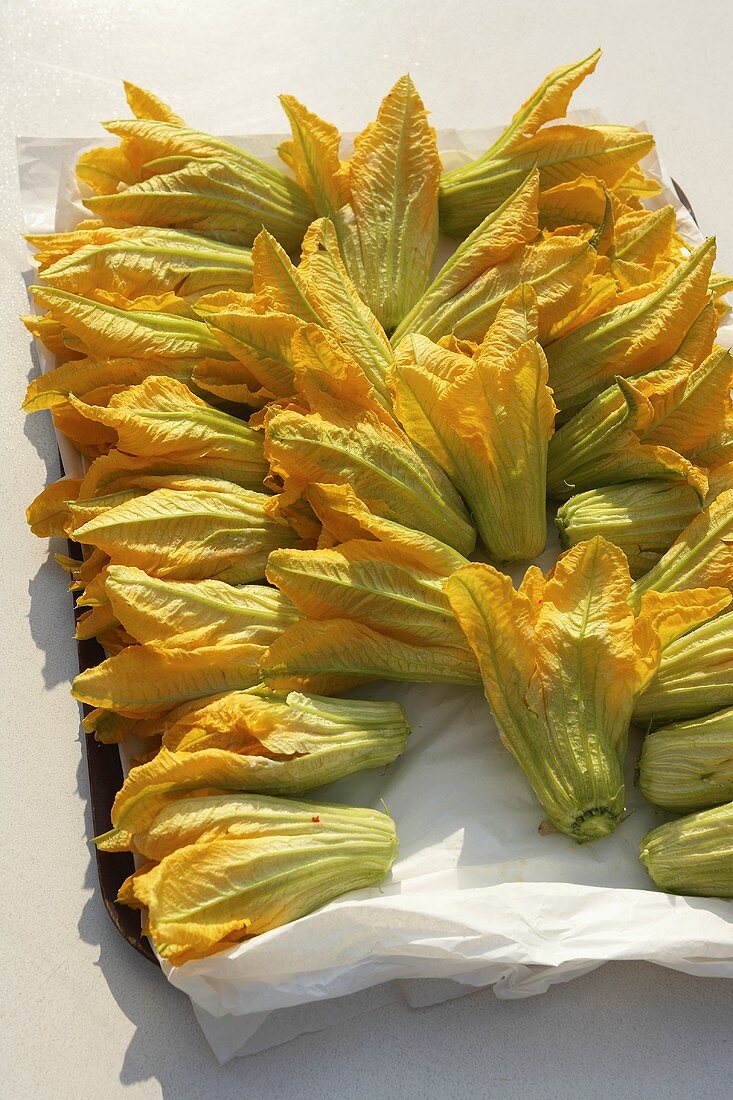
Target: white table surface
[[80, 1014]]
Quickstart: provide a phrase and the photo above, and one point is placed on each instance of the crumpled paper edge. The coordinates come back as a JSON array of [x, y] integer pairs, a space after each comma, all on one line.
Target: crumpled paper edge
[[692, 935]]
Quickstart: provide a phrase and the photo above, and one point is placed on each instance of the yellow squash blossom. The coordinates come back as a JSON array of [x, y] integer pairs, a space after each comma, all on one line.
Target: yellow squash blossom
[[377, 573], [556, 269], [164, 826], [561, 152], [640, 428], [206, 896], [196, 638], [318, 291], [338, 433], [162, 418], [214, 529], [563, 660], [162, 327], [259, 741], [486, 419], [140, 261], [383, 202], [630, 338], [499, 235], [167, 174], [643, 518]]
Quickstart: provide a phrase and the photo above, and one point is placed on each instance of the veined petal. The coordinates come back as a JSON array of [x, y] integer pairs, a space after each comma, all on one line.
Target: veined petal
[[487, 419], [261, 344], [605, 443], [339, 307], [695, 675], [642, 518], [162, 418], [48, 515], [299, 767], [149, 261], [702, 556], [103, 169], [279, 285], [513, 224], [145, 104], [698, 411], [313, 154], [555, 269], [195, 613], [335, 655], [630, 338], [561, 153], [83, 377], [190, 535], [389, 231], [228, 198], [108, 332], [206, 897], [547, 102], [146, 680], [366, 582]]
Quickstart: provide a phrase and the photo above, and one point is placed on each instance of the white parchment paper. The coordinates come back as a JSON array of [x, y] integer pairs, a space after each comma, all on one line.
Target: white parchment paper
[[477, 897]]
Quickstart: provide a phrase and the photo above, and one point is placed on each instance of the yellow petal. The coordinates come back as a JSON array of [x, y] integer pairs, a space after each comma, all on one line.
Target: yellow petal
[[513, 224], [343, 441], [104, 169], [145, 104], [389, 236], [162, 418], [261, 344], [195, 613], [149, 261], [109, 332], [143, 681], [313, 155], [606, 442], [333, 656], [701, 557], [630, 338], [556, 269], [691, 416], [48, 515], [189, 535], [548, 102]]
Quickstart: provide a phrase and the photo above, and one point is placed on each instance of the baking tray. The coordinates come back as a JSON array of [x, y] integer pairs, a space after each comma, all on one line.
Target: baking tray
[[106, 777]]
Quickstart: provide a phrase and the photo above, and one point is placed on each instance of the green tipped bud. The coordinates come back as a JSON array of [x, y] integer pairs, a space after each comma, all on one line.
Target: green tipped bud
[[693, 855], [643, 518], [688, 766], [695, 675]]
